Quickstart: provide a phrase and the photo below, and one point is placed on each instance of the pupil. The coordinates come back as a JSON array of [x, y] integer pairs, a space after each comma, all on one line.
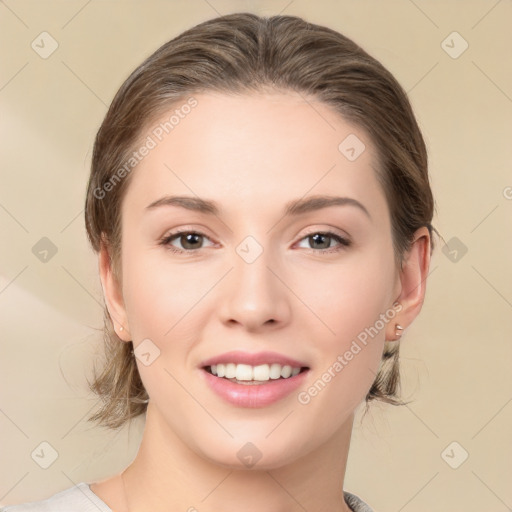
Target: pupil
[[316, 236], [188, 237]]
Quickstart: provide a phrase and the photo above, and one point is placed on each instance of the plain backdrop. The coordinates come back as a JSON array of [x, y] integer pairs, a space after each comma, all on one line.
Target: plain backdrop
[[450, 448]]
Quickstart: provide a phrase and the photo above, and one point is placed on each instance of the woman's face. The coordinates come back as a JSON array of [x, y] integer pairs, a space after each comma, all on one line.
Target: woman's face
[[259, 277]]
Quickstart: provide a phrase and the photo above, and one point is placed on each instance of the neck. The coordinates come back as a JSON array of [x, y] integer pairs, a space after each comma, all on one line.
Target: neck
[[167, 475]]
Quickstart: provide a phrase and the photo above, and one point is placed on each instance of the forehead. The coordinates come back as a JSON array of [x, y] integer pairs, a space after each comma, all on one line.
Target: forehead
[[268, 147]]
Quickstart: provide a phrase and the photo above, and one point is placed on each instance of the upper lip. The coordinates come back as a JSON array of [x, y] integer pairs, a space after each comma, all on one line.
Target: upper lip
[[253, 359]]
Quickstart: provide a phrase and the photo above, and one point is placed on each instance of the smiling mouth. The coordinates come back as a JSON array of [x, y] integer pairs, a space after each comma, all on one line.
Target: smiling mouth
[[250, 375]]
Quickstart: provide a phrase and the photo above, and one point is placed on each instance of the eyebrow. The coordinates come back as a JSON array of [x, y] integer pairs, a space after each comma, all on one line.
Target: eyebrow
[[295, 207]]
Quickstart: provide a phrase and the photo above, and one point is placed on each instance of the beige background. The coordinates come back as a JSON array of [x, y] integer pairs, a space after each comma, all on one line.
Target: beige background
[[456, 357]]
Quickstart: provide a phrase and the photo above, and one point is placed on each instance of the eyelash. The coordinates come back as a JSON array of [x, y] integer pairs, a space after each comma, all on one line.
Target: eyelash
[[344, 243]]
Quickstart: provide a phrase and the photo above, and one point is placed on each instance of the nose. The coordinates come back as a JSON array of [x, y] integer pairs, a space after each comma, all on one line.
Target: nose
[[255, 296]]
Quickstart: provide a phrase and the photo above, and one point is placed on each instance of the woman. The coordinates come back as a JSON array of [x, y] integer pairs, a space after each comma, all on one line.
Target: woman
[[224, 159]]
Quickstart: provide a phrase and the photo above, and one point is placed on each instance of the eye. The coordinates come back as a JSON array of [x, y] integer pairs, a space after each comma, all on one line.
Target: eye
[[190, 241], [321, 240]]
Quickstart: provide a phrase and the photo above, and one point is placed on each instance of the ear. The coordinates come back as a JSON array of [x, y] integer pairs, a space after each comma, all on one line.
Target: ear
[[113, 294], [413, 282]]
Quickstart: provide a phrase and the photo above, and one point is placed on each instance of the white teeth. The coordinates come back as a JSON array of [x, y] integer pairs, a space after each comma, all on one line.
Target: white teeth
[[262, 372], [286, 371], [243, 372], [275, 371], [230, 371]]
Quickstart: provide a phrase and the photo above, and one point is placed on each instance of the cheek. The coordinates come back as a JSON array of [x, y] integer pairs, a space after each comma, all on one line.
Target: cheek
[[351, 303], [166, 302], [162, 304], [349, 297], [155, 298]]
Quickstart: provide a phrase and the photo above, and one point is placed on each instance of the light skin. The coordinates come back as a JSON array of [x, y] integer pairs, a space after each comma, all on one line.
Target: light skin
[[252, 154]]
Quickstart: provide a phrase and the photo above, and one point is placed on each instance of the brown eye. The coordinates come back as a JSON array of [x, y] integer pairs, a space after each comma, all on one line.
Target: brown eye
[[189, 241], [322, 241]]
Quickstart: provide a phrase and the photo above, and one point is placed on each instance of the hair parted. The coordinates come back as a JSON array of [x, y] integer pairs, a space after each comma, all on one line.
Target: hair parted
[[243, 53]]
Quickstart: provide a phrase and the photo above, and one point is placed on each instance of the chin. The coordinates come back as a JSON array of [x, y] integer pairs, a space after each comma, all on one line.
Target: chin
[[253, 456]]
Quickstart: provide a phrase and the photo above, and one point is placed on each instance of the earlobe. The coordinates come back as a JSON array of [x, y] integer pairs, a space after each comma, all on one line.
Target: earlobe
[[113, 294], [413, 280]]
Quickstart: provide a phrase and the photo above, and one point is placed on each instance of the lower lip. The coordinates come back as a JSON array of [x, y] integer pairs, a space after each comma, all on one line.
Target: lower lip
[[253, 395]]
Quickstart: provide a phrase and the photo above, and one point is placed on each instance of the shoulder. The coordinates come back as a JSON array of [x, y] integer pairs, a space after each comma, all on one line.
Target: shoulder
[[354, 502], [78, 498]]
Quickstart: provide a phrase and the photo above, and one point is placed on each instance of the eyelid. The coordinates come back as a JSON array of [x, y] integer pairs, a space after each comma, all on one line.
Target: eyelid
[[344, 241], [166, 239], [328, 231]]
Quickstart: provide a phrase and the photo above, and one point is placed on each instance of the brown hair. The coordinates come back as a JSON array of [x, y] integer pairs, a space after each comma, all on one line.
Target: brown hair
[[240, 53]]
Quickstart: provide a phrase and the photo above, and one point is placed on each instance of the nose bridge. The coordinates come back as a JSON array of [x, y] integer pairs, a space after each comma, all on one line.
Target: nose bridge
[[256, 296]]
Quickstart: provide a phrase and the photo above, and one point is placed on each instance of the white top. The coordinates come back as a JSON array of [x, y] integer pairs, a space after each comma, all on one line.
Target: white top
[[80, 498]]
